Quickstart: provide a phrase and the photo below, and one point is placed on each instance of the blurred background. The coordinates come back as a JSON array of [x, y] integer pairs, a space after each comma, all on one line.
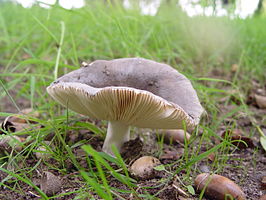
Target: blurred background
[[41, 40], [233, 8]]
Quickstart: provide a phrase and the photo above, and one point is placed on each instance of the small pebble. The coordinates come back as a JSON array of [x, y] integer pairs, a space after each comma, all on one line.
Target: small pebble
[[204, 168], [43, 152], [50, 183]]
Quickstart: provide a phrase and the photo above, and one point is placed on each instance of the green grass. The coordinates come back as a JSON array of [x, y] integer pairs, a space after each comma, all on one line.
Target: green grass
[[37, 45]]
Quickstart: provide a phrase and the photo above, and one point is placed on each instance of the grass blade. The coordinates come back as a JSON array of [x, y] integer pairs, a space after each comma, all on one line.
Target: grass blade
[[96, 186], [25, 180], [59, 49]]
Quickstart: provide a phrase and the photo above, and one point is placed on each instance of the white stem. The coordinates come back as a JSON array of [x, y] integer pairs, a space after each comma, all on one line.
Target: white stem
[[117, 134]]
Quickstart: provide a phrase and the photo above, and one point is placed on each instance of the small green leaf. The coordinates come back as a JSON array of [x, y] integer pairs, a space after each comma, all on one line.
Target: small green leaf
[[191, 189], [263, 142], [159, 168]]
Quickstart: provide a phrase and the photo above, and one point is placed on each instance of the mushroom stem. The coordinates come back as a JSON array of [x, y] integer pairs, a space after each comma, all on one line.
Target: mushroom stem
[[117, 134]]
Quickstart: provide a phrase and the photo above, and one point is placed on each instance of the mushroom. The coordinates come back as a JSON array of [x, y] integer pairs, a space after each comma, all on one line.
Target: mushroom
[[129, 91]]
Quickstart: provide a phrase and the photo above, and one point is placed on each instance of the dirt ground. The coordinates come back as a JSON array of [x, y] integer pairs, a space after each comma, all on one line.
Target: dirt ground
[[246, 167]]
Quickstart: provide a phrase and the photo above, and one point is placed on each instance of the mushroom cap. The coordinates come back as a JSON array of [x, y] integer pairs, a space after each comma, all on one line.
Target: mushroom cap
[[135, 91]]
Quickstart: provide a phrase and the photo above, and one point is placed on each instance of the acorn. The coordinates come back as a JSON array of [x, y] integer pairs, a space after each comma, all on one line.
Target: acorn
[[218, 187]]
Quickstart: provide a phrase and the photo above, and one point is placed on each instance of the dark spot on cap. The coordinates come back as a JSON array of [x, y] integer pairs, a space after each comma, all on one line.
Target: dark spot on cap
[[153, 83], [105, 71]]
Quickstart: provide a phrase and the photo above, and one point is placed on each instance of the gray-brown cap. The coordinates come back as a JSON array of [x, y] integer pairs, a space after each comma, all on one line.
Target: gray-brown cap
[[130, 91]]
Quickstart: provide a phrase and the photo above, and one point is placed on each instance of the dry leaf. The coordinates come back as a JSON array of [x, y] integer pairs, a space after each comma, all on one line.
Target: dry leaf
[[16, 127], [22, 116], [30, 112], [8, 142], [7, 126], [19, 121]]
